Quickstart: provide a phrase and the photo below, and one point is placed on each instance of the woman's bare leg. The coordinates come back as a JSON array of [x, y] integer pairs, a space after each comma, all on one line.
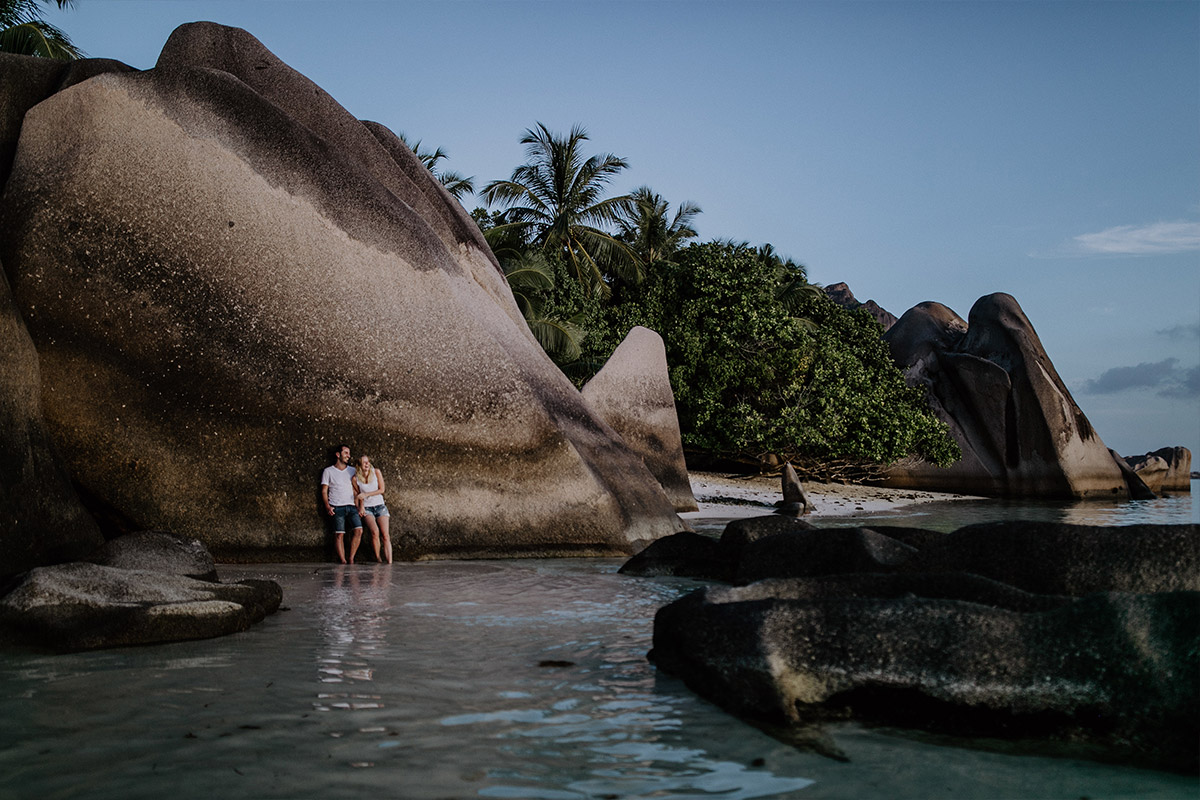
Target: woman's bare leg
[[370, 520], [384, 525]]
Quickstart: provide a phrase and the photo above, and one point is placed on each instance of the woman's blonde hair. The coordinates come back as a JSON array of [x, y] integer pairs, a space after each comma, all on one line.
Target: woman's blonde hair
[[361, 475]]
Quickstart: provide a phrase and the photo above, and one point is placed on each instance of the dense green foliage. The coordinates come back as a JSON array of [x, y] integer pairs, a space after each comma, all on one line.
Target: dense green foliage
[[761, 361], [751, 377]]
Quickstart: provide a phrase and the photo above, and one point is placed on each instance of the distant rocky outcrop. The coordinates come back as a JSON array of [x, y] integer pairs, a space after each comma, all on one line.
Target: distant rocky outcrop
[[1021, 432], [632, 393], [1164, 470], [1058, 635], [224, 274], [840, 294]]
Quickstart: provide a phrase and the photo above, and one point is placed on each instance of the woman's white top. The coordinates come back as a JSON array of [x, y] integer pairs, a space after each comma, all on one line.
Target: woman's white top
[[371, 486]]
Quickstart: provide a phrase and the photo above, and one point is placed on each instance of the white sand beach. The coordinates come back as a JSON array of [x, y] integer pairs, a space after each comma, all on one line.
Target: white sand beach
[[724, 495]]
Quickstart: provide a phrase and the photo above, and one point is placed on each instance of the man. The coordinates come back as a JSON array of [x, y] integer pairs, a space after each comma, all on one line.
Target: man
[[337, 490]]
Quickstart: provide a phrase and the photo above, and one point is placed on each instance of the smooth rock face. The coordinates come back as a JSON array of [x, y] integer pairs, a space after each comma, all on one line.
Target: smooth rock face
[[41, 519], [1138, 490], [632, 393], [1021, 433], [158, 551], [225, 274], [1115, 669], [80, 606]]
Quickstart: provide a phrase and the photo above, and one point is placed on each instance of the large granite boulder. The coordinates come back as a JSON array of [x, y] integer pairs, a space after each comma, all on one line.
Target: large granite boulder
[[1057, 558], [632, 393], [82, 606], [225, 274], [803, 554], [41, 518], [1167, 469], [1116, 670], [158, 551], [1021, 432]]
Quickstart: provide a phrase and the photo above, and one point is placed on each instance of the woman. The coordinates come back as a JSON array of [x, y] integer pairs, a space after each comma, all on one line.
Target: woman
[[368, 496]]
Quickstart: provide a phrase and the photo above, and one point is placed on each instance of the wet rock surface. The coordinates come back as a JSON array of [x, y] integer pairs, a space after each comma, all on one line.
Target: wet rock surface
[[82, 606], [1082, 637]]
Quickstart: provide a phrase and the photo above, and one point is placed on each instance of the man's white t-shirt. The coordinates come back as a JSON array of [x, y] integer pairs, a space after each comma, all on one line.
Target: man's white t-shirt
[[341, 492]]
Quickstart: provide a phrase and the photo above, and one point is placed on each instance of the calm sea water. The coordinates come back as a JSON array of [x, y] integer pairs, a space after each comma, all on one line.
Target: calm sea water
[[516, 679]]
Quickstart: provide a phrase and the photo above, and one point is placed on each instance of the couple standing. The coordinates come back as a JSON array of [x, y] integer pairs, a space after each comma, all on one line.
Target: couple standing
[[352, 495]]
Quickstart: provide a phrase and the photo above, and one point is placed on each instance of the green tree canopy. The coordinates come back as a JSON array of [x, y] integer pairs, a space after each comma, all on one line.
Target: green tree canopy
[[652, 234], [753, 375]]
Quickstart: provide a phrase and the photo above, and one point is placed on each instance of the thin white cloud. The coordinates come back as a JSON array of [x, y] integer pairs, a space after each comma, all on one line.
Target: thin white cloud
[[1159, 238]]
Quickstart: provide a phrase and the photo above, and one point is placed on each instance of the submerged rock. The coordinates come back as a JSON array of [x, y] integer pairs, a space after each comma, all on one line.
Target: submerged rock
[[991, 381], [307, 282], [1118, 670], [80, 606]]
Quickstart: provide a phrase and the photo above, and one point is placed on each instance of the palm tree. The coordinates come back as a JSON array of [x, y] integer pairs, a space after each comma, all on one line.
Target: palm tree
[[557, 197], [529, 276], [650, 234], [24, 32], [792, 288], [454, 182]]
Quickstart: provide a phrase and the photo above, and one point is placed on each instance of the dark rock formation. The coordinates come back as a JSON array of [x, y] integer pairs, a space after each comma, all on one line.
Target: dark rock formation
[[686, 555], [41, 519], [1056, 558], [224, 274], [632, 393], [795, 501], [830, 551], [80, 606], [840, 294], [158, 551], [1117, 670], [1021, 433], [1138, 490]]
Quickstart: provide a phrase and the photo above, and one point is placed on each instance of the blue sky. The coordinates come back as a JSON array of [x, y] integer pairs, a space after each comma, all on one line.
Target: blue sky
[[918, 151]]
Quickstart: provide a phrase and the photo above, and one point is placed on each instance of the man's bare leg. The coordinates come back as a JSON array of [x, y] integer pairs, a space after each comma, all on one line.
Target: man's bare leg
[[354, 541], [339, 547]]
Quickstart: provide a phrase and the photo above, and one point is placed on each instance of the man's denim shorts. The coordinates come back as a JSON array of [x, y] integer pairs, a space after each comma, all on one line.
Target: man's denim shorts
[[377, 511], [344, 514]]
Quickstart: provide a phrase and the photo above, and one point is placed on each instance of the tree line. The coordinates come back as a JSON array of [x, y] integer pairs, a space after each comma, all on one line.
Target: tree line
[[762, 363]]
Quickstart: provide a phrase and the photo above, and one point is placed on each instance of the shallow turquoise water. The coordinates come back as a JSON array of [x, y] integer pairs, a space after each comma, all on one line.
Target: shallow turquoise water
[[517, 679]]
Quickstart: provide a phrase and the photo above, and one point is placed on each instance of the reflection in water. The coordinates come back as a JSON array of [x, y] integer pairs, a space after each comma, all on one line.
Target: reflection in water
[[355, 601]]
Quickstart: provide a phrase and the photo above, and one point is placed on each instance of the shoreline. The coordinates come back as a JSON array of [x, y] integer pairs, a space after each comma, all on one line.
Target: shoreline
[[732, 496]]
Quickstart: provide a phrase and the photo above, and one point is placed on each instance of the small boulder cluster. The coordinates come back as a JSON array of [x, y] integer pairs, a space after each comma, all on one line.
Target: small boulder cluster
[[148, 587], [1075, 639]]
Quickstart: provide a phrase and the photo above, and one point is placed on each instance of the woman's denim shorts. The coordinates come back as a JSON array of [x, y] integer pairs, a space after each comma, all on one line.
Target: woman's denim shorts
[[376, 511]]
